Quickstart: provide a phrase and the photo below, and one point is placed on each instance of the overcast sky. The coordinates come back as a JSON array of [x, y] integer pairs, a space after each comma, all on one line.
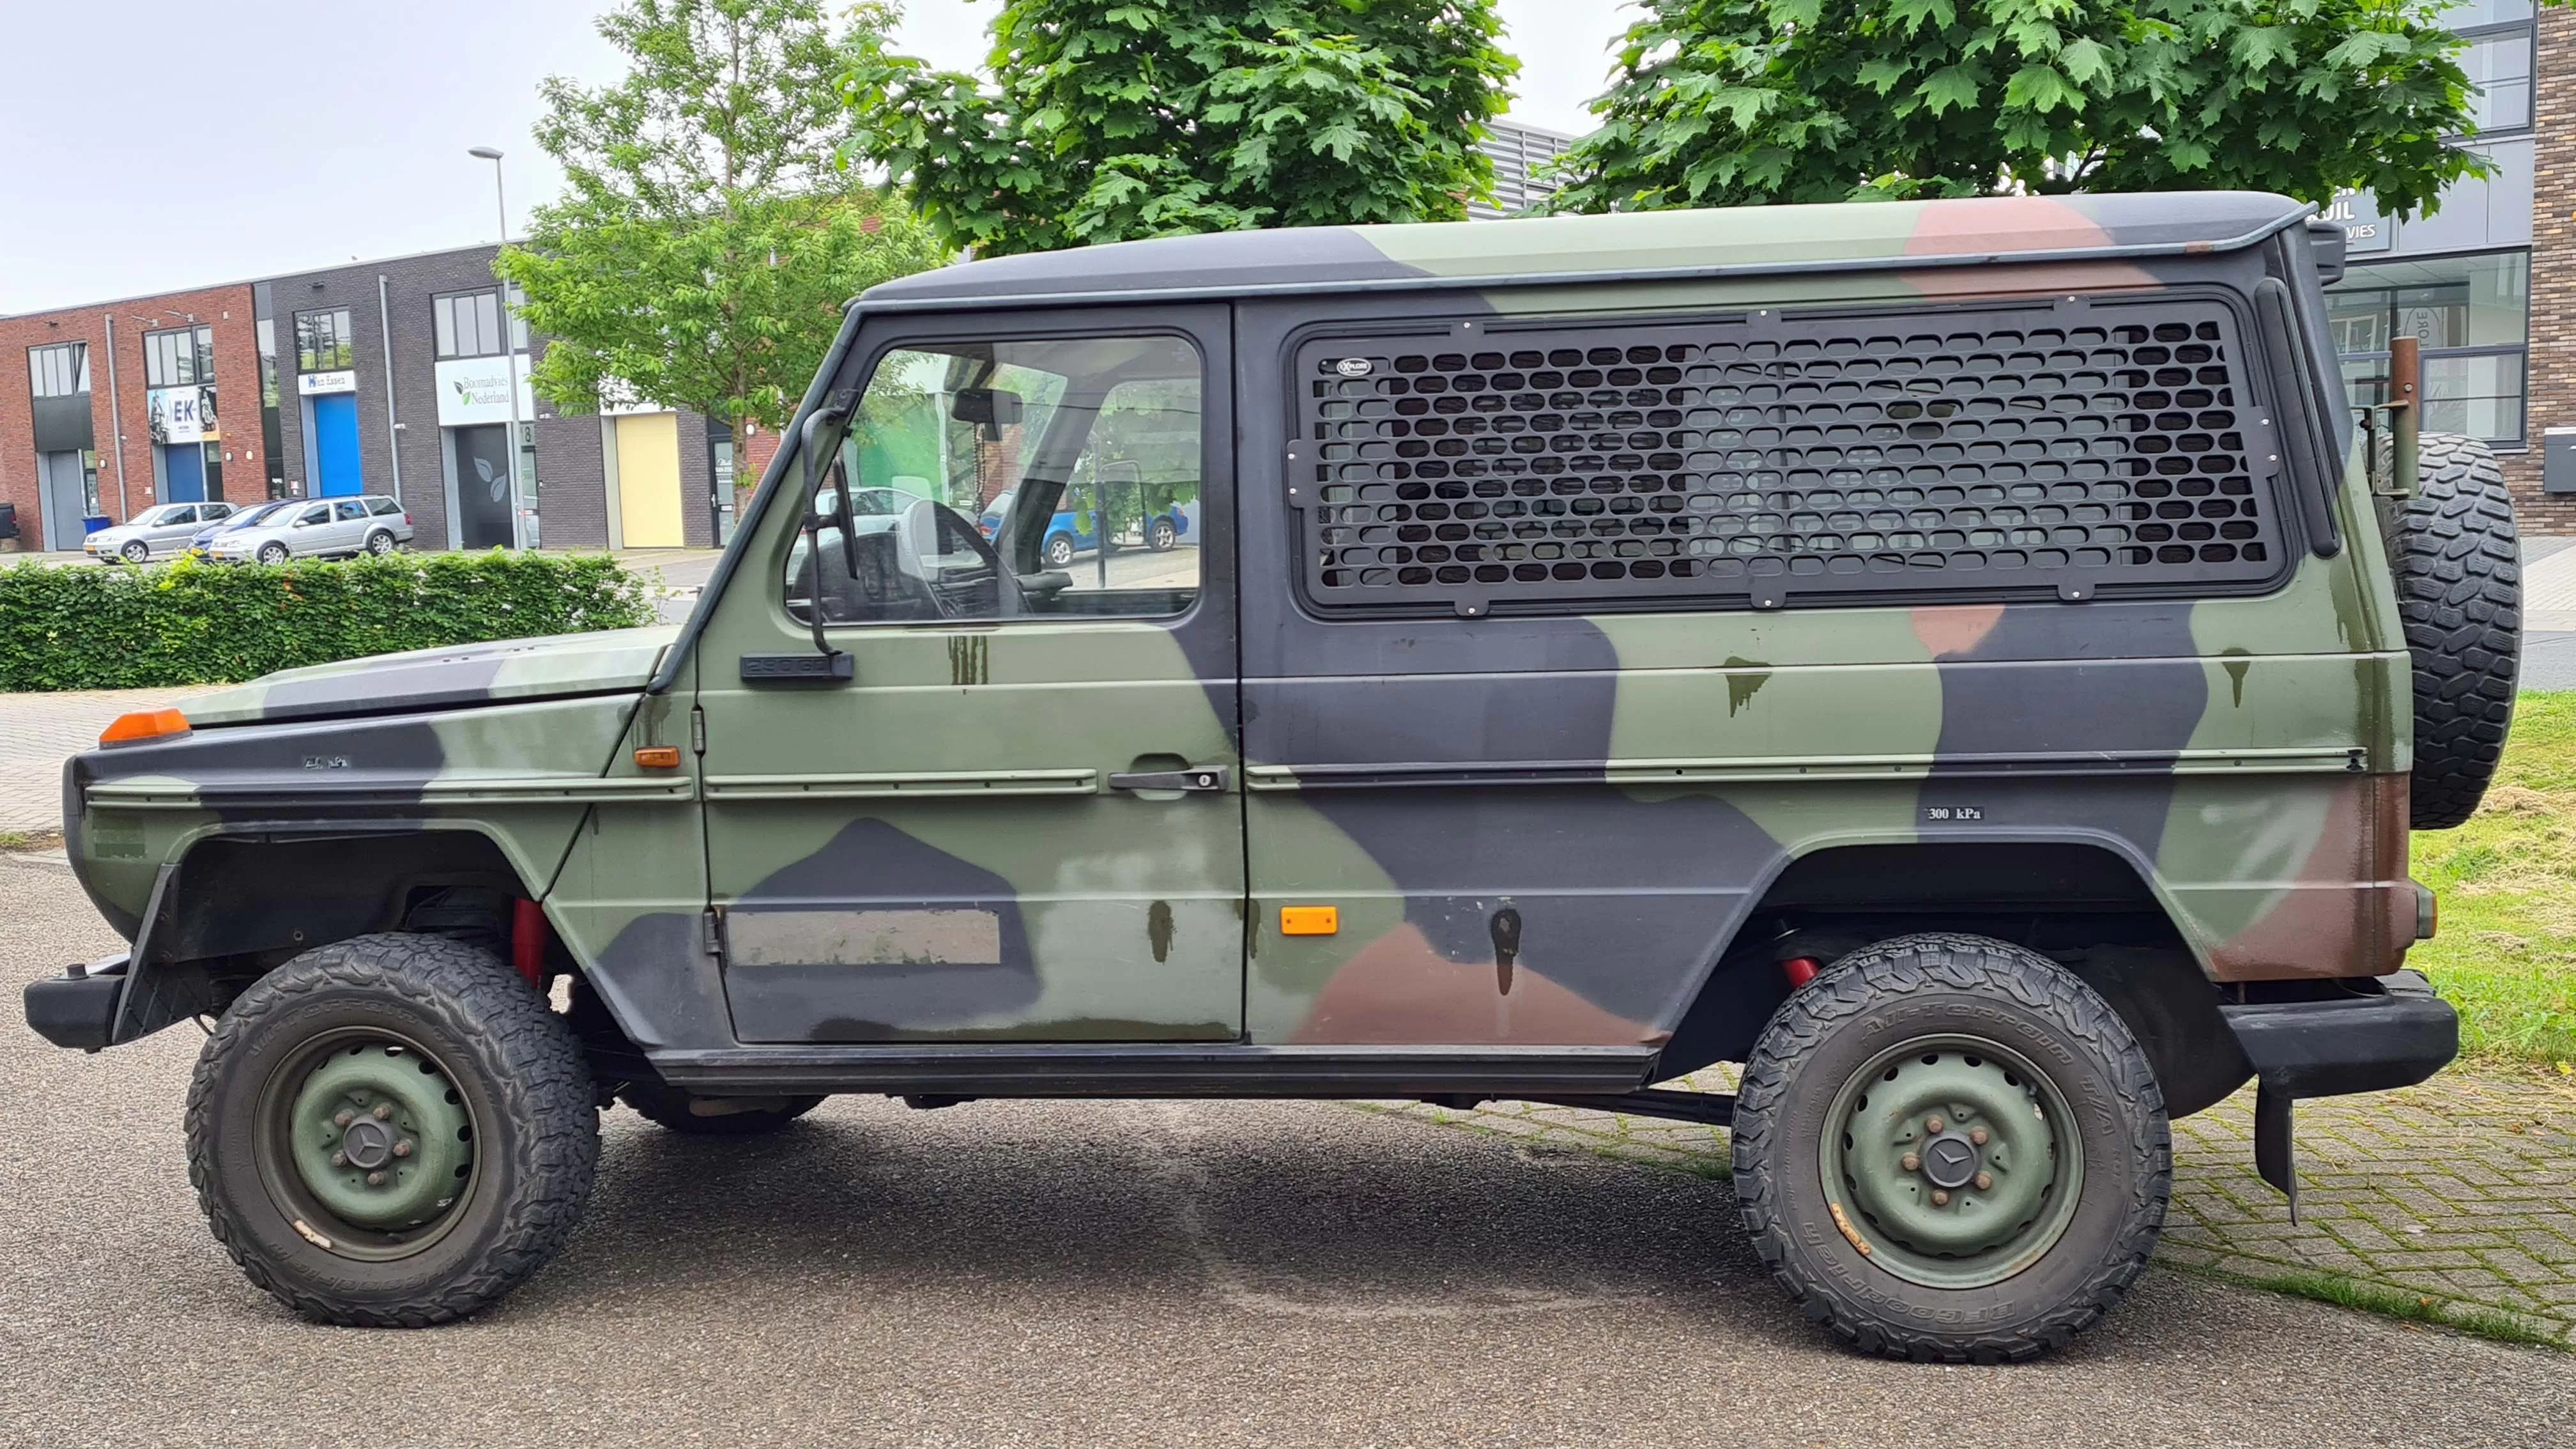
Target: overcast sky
[[151, 145]]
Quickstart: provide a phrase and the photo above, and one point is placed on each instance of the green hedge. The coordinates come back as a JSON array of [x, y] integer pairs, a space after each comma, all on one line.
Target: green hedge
[[192, 623]]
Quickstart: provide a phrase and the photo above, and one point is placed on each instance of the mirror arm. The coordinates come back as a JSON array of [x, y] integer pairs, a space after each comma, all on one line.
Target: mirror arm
[[832, 413]]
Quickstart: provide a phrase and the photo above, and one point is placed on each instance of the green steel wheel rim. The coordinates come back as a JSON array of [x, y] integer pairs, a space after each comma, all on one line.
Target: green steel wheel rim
[[367, 1144], [1952, 1161]]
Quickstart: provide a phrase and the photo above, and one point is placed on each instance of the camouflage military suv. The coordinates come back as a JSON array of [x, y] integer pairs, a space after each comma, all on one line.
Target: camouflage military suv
[[1958, 660]]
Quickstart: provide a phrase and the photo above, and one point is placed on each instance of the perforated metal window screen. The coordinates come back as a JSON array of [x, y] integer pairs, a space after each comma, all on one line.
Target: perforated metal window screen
[[2058, 449]]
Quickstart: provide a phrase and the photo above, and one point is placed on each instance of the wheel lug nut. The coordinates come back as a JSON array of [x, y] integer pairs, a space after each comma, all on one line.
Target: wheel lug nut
[[403, 1149], [1910, 1162], [1977, 1135], [1939, 1198], [377, 1179], [343, 1119], [383, 1111], [339, 1159], [1933, 1124], [1985, 1181]]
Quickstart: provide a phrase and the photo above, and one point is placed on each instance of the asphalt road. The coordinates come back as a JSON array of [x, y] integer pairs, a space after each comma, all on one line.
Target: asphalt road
[[1092, 1275]]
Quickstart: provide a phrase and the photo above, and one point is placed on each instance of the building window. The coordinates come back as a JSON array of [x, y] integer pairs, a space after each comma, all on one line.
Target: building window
[[267, 335], [469, 323], [183, 357], [323, 340], [2498, 60], [59, 369], [2472, 317]]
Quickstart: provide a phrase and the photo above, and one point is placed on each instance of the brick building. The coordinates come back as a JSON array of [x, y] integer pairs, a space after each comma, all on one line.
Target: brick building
[[125, 404], [388, 377]]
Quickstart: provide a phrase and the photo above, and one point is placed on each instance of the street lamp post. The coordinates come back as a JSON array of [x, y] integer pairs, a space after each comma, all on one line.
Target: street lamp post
[[509, 355]]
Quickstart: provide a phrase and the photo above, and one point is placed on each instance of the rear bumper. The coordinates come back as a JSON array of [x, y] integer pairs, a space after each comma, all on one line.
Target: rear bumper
[[78, 1008], [2348, 1044]]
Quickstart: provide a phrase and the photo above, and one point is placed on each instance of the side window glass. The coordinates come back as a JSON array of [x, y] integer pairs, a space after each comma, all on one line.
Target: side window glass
[[383, 507], [318, 513], [181, 515], [1001, 480], [350, 510]]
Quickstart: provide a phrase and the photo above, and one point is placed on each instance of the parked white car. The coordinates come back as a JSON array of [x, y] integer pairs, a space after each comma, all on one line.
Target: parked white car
[[162, 530], [322, 528]]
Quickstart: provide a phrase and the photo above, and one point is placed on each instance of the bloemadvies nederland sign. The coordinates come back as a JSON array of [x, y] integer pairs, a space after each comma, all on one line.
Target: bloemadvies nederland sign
[[473, 391]]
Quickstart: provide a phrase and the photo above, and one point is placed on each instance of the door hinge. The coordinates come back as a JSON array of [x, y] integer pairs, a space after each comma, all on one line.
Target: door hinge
[[697, 729], [711, 934]]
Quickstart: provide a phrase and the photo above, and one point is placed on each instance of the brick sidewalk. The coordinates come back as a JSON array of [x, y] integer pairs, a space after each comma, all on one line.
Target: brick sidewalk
[[39, 731], [2462, 1190]]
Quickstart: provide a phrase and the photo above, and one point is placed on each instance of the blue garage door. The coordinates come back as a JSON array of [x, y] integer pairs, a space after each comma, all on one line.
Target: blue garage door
[[183, 473], [335, 446]]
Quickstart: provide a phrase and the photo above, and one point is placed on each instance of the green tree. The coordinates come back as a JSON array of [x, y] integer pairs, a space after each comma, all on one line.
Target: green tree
[[1106, 120], [707, 235], [1729, 102]]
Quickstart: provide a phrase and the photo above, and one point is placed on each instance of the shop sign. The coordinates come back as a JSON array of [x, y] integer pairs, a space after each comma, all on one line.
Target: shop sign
[[474, 390], [182, 414], [315, 384], [2364, 229]]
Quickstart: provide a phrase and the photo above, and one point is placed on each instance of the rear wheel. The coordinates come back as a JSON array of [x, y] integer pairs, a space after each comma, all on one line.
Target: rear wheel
[[391, 1131], [714, 1116], [1162, 535], [1059, 551], [1949, 1148], [380, 543]]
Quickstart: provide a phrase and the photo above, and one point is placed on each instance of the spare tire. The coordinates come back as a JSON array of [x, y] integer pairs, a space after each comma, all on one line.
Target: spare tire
[[2458, 567]]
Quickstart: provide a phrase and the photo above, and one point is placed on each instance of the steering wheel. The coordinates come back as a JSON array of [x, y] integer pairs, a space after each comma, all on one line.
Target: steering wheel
[[926, 529]]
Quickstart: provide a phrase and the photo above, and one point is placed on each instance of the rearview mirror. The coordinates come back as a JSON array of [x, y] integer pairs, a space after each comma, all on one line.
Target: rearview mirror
[[992, 408]]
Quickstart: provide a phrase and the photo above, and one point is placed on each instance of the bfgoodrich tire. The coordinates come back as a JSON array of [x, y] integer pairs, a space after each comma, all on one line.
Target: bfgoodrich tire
[[391, 1131], [1948, 1148], [2458, 567]]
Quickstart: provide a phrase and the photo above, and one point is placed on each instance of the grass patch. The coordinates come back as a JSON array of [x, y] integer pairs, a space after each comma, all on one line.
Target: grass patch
[[2387, 1302], [2506, 954], [21, 840]]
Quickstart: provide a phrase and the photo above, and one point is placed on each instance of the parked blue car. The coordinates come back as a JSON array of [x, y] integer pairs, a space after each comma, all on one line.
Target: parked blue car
[[248, 518], [1069, 532]]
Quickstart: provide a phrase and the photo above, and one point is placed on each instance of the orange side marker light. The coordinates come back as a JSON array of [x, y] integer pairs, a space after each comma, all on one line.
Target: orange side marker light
[[1309, 920], [658, 757], [144, 724]]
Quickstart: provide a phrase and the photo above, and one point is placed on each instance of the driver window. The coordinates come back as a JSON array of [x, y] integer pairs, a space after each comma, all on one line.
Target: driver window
[[1001, 480]]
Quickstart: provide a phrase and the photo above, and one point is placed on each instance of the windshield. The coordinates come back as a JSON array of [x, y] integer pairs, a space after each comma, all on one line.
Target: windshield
[[249, 517]]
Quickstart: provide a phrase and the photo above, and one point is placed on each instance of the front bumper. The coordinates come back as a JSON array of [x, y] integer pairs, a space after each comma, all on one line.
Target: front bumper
[[2393, 1037], [78, 1008]]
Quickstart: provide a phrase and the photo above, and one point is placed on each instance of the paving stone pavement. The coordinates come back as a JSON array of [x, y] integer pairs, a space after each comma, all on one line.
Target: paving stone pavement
[[39, 731], [2462, 1190]]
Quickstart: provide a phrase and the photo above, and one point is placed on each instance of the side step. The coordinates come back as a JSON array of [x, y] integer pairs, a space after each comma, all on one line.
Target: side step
[[1583, 1075]]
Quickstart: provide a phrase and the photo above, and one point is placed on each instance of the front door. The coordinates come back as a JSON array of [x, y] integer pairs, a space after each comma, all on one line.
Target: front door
[[336, 470], [1018, 820], [66, 500], [483, 486], [648, 480], [183, 472]]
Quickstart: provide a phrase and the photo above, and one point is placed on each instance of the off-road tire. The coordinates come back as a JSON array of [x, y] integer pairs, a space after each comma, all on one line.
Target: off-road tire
[[669, 1107], [1913, 986], [2458, 568], [525, 1085]]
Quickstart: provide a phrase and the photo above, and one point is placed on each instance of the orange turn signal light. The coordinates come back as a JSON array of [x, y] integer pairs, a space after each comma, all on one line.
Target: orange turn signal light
[[1309, 920], [144, 724], [658, 757]]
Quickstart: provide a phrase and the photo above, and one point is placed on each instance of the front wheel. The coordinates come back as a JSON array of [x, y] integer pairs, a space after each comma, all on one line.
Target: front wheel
[[136, 551], [272, 554], [391, 1131], [1949, 1148]]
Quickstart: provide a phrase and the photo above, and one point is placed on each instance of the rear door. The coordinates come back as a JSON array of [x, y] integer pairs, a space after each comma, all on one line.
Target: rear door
[[348, 525], [1017, 820]]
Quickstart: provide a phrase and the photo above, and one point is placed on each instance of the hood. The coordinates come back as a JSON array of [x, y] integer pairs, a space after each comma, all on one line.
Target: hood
[[468, 674]]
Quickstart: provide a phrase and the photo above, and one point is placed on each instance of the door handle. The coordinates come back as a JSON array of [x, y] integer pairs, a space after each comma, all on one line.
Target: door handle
[[1196, 779]]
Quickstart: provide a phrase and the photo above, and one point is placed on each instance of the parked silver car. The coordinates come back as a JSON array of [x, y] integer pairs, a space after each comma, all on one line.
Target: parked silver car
[[160, 530], [321, 528]]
